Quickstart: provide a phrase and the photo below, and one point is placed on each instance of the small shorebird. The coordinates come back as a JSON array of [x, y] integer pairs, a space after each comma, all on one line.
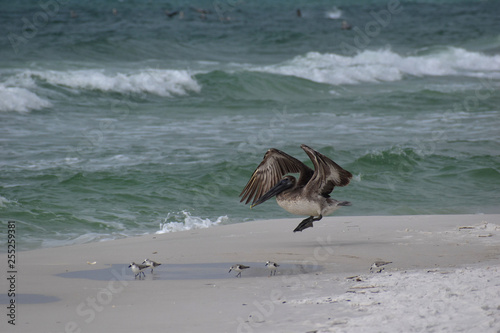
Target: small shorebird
[[309, 195], [151, 263], [138, 269], [238, 268], [379, 265], [272, 266]]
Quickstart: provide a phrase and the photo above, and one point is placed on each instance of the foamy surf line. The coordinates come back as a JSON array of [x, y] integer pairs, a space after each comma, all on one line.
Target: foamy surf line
[[174, 222], [187, 222]]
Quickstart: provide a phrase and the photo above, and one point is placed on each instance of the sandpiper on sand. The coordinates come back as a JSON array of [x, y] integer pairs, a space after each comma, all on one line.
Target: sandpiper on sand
[[138, 269], [379, 265], [238, 268], [272, 266], [151, 263]]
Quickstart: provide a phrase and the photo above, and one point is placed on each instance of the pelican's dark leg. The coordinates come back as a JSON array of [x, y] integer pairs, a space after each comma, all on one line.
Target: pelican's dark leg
[[307, 223], [238, 275]]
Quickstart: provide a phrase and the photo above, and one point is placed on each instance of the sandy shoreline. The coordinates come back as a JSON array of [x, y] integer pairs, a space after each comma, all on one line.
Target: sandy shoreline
[[58, 291]]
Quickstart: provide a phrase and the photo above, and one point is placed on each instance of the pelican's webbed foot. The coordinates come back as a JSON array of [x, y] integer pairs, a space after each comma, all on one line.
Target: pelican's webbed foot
[[307, 223]]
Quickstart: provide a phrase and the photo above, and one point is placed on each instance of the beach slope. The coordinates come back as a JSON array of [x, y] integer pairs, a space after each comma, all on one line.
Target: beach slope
[[442, 274]]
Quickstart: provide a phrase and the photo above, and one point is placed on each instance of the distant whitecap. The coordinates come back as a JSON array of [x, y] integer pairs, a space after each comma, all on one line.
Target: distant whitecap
[[333, 14]]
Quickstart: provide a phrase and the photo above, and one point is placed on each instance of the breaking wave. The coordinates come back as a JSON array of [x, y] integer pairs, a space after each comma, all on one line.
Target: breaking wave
[[385, 65], [161, 82], [20, 100]]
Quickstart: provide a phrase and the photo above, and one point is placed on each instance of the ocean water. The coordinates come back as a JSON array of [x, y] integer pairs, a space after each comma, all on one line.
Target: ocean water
[[116, 120]]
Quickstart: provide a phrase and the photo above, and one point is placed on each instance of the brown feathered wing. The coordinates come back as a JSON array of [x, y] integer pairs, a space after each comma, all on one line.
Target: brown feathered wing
[[273, 167], [327, 173]]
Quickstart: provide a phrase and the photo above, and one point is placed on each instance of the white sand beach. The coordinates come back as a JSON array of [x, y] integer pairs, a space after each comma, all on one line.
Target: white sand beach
[[444, 276]]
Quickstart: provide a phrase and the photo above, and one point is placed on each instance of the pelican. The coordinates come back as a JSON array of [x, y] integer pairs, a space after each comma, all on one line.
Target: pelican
[[309, 195]]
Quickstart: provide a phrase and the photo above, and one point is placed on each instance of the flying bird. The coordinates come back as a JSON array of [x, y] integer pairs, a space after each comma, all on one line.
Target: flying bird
[[309, 195]]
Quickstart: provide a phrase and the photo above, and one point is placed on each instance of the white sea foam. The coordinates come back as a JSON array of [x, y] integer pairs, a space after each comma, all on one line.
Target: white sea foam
[[4, 201], [20, 100], [188, 222], [162, 82], [385, 65], [333, 14]]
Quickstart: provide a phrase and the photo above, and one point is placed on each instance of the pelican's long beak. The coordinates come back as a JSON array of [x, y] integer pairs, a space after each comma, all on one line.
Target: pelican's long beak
[[283, 185]]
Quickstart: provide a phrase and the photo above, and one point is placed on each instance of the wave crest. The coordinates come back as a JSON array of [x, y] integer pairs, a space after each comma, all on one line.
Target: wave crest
[[385, 65], [166, 82], [20, 100]]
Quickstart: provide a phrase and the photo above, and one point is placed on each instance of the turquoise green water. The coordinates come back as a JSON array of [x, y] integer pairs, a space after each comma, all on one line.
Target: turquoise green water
[[127, 124]]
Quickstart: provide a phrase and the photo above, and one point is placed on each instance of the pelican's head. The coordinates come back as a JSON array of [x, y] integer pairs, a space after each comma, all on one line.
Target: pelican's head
[[286, 183]]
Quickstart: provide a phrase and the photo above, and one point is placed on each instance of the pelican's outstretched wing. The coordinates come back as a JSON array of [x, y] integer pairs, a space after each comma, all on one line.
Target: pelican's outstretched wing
[[327, 173], [273, 167]]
